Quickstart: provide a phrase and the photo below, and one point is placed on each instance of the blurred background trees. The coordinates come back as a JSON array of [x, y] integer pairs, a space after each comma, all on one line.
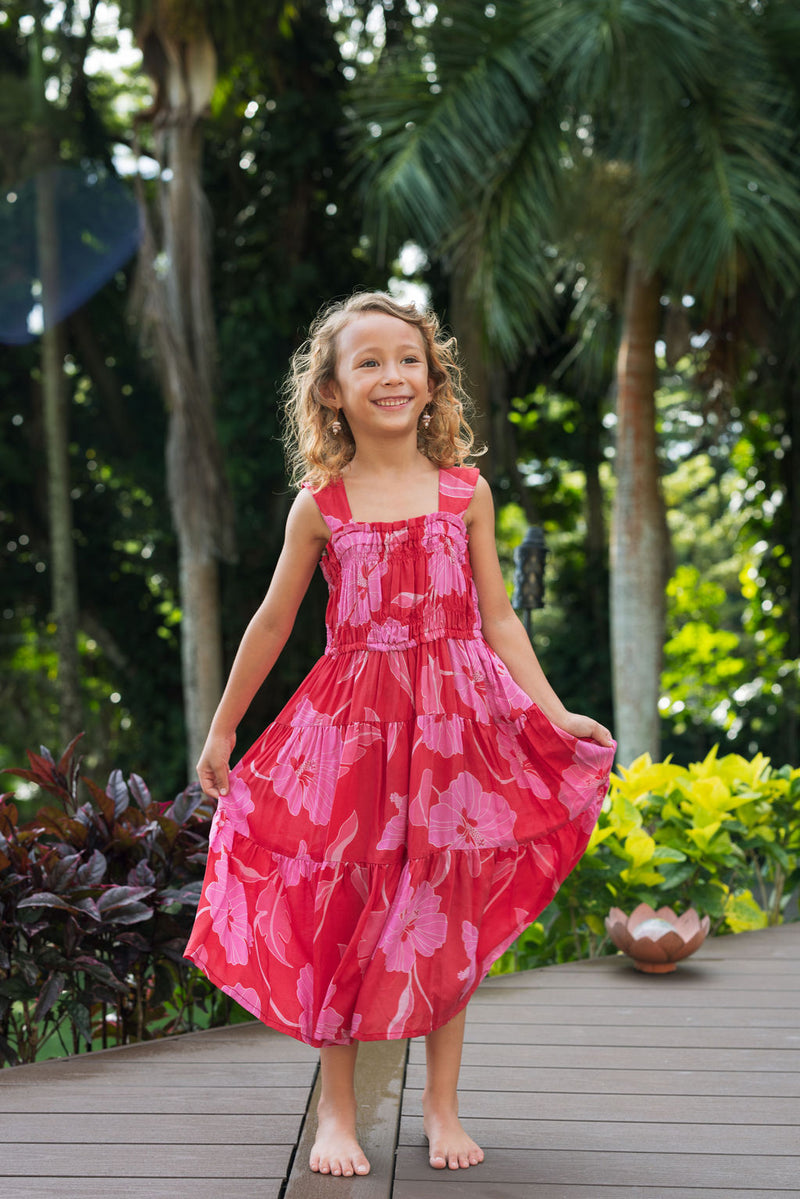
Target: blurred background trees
[[517, 163]]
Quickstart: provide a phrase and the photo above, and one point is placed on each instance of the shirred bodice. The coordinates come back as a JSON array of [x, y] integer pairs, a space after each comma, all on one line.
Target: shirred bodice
[[397, 584]]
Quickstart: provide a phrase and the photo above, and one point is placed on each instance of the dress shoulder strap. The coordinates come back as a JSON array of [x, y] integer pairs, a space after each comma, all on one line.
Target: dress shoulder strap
[[332, 503], [456, 488]]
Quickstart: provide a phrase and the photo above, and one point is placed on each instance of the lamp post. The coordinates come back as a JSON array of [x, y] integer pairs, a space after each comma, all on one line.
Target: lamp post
[[529, 560]]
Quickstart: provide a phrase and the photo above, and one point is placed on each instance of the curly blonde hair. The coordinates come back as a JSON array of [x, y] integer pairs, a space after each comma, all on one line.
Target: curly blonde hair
[[316, 455]]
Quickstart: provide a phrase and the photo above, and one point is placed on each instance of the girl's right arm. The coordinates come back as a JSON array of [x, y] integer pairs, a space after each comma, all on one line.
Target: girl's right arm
[[264, 637]]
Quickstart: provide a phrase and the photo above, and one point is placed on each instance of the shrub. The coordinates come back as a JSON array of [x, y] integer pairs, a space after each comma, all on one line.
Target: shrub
[[722, 836], [97, 896]]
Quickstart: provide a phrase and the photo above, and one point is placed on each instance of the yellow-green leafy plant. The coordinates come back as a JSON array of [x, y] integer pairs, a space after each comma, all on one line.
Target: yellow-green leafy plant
[[721, 835]]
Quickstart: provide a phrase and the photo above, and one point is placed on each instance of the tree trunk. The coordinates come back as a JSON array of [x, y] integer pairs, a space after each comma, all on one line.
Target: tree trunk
[[177, 310], [639, 543], [64, 575]]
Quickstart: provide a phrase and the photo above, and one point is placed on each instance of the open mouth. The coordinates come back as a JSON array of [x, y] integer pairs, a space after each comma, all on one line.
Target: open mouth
[[393, 402]]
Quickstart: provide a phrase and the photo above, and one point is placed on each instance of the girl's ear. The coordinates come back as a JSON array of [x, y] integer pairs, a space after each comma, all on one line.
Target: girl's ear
[[328, 396]]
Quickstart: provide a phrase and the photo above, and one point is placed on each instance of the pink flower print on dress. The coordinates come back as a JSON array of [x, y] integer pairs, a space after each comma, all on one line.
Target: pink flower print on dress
[[231, 816], [445, 559], [388, 632], [584, 784], [362, 591], [522, 770], [305, 997], [329, 1021], [470, 680], [306, 714], [228, 908], [246, 997], [356, 741], [328, 1025], [419, 805], [272, 921], [442, 734], [469, 937], [306, 771], [394, 835], [292, 870], [467, 817], [430, 683], [414, 925]]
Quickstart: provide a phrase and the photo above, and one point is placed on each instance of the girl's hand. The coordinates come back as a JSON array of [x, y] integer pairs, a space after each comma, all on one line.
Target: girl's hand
[[212, 769], [586, 729]]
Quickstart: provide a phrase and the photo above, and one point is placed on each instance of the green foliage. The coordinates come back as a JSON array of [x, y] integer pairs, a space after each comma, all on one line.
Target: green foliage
[[722, 836], [97, 897]]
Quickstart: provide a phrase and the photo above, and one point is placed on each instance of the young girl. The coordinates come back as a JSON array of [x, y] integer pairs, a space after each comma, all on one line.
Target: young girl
[[422, 796]]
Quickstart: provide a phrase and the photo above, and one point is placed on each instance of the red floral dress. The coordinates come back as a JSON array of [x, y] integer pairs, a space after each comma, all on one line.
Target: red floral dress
[[408, 813]]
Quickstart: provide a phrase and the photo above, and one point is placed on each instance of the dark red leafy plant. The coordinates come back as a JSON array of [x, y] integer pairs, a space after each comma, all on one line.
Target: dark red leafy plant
[[97, 896]]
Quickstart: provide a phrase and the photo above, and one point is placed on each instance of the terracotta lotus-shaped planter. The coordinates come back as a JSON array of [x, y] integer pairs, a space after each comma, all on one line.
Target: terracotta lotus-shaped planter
[[656, 941]]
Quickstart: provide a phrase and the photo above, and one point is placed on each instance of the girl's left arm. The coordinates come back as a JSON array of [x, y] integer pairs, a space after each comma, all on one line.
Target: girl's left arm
[[503, 629]]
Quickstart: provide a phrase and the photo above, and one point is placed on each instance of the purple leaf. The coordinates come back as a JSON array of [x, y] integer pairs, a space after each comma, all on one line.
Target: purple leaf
[[135, 913], [46, 899], [91, 873], [101, 972], [117, 792], [119, 897], [141, 875], [49, 994], [140, 791], [185, 804]]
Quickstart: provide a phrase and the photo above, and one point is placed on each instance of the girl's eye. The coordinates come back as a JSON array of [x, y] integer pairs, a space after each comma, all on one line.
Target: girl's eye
[[369, 362]]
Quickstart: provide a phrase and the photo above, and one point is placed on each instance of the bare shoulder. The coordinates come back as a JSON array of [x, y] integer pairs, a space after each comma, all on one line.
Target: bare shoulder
[[481, 506], [305, 521]]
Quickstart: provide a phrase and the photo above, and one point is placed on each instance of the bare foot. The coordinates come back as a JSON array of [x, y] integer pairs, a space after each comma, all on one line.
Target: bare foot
[[336, 1150], [448, 1144]]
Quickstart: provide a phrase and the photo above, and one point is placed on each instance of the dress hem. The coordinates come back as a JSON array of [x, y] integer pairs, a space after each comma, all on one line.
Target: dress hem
[[315, 1043]]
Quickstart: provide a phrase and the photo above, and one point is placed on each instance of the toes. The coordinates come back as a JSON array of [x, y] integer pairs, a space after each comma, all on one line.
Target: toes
[[438, 1161]]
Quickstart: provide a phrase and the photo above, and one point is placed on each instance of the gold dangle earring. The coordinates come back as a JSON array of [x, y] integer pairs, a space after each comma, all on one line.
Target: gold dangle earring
[[336, 425]]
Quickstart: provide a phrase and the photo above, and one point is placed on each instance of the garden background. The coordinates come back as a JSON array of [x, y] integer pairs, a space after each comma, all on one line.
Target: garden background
[[602, 201]]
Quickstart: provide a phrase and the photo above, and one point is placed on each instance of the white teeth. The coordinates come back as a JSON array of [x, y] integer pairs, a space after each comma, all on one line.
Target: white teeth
[[391, 403]]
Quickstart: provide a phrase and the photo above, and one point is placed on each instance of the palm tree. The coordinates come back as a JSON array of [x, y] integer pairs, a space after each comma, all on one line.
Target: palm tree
[[478, 144]]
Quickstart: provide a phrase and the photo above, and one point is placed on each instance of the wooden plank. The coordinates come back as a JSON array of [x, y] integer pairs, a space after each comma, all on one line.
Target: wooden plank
[[88, 1160], [620, 1082], [380, 1068], [786, 968], [651, 994], [494, 1010], [68, 1128], [604, 1057], [536, 1167], [102, 1096], [602, 1135], [183, 1188], [585, 1106], [241, 1042], [454, 1187], [153, 1074], [635, 1036]]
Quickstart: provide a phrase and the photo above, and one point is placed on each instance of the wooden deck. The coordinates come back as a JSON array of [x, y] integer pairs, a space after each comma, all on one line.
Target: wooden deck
[[581, 1081]]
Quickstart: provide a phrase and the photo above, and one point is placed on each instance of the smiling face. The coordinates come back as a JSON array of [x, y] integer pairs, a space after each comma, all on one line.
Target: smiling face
[[381, 381]]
